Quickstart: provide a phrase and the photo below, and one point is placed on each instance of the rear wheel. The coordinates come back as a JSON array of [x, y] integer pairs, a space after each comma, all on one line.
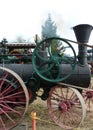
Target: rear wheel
[[66, 107]]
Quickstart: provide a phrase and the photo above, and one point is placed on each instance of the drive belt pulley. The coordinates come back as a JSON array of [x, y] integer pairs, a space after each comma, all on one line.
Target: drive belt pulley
[[49, 57]]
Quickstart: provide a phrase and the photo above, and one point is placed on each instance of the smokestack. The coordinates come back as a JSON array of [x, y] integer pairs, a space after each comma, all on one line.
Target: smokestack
[[82, 33]]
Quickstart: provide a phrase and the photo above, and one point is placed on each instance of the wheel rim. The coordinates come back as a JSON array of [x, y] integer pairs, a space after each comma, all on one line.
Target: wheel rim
[[49, 66], [13, 99], [66, 107]]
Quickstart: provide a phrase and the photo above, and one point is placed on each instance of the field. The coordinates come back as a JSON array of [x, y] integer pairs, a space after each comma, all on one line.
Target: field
[[40, 107]]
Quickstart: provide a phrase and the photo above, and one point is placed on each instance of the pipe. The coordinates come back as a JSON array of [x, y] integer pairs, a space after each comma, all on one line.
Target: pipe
[[82, 33]]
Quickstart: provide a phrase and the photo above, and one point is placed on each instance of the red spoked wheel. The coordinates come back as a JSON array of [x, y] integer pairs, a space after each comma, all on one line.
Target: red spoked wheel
[[12, 91], [88, 98], [14, 52], [66, 107]]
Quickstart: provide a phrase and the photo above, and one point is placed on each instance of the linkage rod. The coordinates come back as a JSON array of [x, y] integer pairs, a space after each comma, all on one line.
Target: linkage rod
[[83, 44]]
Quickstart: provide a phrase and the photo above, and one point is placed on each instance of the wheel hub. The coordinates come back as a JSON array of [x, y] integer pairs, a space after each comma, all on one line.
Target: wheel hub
[[89, 94], [64, 106]]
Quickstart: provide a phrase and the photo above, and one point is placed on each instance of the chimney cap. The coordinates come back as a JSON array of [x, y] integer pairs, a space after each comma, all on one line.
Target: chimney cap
[[83, 26], [82, 32]]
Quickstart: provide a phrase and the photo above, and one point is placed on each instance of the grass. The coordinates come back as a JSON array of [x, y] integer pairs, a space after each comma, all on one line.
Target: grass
[[40, 107]]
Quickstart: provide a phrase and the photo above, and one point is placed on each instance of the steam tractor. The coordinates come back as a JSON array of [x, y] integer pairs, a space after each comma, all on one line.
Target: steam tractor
[[53, 66]]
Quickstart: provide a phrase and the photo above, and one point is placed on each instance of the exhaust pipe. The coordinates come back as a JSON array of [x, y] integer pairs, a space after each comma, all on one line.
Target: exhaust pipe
[[82, 33]]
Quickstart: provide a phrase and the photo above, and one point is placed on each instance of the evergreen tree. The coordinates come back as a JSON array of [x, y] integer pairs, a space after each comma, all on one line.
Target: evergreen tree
[[49, 29]]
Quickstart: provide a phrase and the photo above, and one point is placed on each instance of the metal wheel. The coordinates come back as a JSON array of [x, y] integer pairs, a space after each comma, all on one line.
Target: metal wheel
[[16, 58], [13, 99], [88, 98], [14, 52], [48, 57], [66, 107]]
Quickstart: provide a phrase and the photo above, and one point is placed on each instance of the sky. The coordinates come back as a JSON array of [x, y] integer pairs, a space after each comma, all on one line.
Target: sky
[[26, 17]]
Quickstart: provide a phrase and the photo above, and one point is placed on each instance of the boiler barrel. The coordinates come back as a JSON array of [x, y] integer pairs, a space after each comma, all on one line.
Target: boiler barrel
[[80, 77], [25, 71]]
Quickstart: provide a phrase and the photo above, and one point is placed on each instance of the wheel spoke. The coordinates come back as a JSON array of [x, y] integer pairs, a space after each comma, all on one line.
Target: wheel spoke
[[16, 94], [2, 81], [9, 109], [7, 116], [2, 124]]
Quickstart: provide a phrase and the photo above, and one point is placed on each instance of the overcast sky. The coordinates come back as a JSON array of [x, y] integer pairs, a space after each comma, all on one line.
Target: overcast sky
[[25, 17]]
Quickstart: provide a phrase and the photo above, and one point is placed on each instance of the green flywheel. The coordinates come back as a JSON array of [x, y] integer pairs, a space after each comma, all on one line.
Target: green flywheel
[[51, 56]]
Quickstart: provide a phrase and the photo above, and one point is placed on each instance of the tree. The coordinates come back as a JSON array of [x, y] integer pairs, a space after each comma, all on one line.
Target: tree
[[49, 29]]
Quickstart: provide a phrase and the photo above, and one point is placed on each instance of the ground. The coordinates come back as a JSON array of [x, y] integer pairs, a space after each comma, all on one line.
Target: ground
[[40, 107]]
